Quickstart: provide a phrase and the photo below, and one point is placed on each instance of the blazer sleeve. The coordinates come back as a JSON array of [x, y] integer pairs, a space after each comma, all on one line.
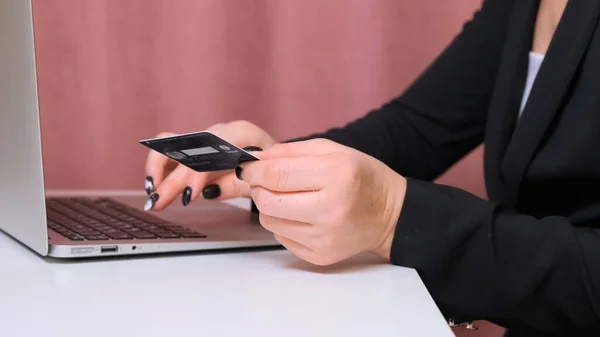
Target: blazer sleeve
[[477, 259], [441, 116], [482, 261]]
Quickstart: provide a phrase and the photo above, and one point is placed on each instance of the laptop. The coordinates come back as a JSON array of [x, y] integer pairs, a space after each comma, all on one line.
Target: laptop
[[70, 226]]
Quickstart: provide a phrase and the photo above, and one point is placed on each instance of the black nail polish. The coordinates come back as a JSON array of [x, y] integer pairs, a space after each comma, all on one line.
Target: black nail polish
[[151, 202], [186, 196], [238, 173], [252, 148], [149, 185], [253, 207], [211, 192]]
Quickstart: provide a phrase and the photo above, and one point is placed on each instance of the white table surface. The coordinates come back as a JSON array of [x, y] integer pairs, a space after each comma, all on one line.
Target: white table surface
[[247, 293]]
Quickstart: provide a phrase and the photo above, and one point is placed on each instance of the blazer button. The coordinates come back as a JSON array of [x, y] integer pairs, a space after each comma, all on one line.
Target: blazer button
[[468, 326]]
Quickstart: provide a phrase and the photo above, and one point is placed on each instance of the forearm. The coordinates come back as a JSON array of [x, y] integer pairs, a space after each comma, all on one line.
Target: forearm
[[407, 140], [480, 261]]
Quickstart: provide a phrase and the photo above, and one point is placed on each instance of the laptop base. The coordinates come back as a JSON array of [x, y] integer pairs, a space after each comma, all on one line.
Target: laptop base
[[219, 225]]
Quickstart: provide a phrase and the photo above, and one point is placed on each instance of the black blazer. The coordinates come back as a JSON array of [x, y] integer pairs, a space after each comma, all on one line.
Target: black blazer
[[529, 258]]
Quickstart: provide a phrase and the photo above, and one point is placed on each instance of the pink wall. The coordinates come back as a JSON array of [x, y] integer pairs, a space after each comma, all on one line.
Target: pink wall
[[116, 71], [112, 72]]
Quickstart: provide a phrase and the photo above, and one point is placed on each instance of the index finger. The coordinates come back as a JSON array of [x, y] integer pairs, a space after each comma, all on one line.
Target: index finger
[[157, 163]]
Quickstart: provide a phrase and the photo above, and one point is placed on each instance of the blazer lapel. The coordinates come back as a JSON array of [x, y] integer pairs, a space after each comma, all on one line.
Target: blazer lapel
[[505, 103], [568, 46]]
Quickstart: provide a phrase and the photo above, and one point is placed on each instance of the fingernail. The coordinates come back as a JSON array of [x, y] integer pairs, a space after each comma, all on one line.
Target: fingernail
[[151, 201], [149, 185], [252, 148], [238, 173], [253, 207], [186, 195], [211, 192]]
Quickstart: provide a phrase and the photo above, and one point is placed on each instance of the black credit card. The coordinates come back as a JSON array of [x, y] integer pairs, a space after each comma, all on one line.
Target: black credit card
[[201, 151]]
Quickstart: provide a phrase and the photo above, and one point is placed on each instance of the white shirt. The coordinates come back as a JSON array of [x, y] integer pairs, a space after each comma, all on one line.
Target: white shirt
[[535, 61]]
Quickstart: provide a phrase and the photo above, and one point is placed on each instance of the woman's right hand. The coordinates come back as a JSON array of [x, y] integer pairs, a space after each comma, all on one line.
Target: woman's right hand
[[167, 180]]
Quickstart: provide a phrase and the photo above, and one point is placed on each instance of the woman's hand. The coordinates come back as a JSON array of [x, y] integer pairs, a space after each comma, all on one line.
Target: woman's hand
[[325, 202], [167, 180]]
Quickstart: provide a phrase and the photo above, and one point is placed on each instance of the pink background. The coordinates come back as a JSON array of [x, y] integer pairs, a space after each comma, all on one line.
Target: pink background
[[112, 72]]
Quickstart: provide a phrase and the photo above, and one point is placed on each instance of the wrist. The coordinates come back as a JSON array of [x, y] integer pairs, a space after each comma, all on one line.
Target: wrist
[[395, 199]]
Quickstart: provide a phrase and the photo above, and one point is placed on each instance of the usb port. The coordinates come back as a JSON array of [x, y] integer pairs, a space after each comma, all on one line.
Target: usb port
[[109, 249]]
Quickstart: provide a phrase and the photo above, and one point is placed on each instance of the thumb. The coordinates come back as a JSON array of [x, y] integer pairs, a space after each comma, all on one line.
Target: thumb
[[312, 147], [231, 187]]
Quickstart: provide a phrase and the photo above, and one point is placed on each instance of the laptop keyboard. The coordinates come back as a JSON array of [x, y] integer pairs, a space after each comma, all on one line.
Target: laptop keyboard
[[81, 219]]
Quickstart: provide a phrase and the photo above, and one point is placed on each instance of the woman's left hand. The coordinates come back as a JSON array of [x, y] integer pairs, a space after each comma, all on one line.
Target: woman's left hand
[[325, 202]]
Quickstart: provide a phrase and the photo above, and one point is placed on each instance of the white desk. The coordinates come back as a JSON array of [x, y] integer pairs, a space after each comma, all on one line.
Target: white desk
[[266, 293]]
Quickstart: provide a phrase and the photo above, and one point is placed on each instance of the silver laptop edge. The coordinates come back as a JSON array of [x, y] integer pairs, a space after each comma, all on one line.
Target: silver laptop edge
[[22, 207], [22, 201]]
